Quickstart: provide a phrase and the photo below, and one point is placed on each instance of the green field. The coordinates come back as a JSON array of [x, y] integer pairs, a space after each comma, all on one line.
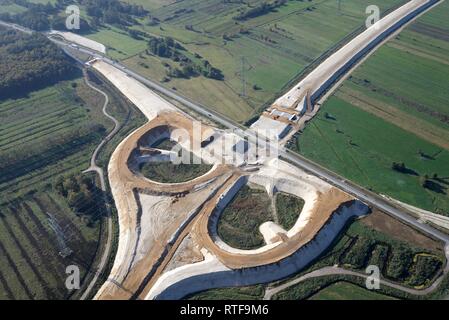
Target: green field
[[348, 291], [362, 148], [406, 82], [33, 232], [51, 131]]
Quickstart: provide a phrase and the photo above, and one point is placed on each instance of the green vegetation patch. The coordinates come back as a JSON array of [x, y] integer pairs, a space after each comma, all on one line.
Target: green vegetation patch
[[398, 260], [239, 223], [347, 291], [168, 172], [165, 144], [288, 209], [243, 293]]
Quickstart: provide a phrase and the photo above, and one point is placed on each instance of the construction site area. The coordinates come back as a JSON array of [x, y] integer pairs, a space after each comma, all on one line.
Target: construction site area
[[168, 244]]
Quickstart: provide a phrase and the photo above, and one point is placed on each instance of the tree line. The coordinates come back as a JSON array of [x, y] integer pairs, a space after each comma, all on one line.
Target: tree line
[[264, 8], [168, 48]]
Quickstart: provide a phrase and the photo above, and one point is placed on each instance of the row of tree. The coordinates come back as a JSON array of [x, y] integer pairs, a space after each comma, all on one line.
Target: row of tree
[[264, 8], [168, 48]]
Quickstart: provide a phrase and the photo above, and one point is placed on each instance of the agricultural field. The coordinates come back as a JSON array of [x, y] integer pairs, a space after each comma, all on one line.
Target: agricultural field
[[239, 222], [347, 291], [271, 49], [414, 99], [393, 109], [363, 147], [118, 43], [49, 134], [39, 237]]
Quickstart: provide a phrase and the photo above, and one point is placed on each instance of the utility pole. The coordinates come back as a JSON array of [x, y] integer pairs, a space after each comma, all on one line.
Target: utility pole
[[339, 6]]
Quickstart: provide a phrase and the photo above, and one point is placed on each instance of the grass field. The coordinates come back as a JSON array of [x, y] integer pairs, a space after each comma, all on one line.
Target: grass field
[[51, 132], [348, 291], [118, 43], [362, 147]]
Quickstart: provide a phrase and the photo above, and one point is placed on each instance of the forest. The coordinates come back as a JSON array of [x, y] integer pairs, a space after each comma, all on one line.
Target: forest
[[29, 62]]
